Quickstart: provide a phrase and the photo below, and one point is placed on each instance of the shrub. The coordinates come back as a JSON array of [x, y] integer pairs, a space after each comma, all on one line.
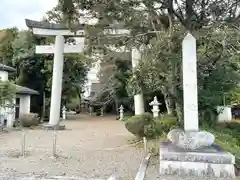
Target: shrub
[[127, 115], [141, 125], [27, 120], [230, 128], [72, 106], [165, 124], [233, 126]]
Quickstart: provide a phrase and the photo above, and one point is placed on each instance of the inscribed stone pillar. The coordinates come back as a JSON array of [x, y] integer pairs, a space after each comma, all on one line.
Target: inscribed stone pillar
[[57, 81], [189, 65]]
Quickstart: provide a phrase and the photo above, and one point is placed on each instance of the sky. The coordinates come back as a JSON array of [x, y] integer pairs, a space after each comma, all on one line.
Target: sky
[[14, 12]]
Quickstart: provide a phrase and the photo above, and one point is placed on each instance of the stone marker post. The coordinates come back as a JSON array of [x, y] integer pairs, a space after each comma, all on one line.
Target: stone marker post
[[155, 104], [190, 138], [54, 150], [191, 152], [23, 144], [121, 111], [190, 94]]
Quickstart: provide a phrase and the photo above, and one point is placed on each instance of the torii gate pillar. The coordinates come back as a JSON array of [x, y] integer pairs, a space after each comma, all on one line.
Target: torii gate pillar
[[56, 92]]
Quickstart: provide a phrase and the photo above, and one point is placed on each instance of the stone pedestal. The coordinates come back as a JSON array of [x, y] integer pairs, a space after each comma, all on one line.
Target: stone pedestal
[[53, 127], [206, 162]]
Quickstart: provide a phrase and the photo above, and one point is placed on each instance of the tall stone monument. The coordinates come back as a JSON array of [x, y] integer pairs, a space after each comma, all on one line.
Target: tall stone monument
[[138, 98], [59, 48], [191, 152]]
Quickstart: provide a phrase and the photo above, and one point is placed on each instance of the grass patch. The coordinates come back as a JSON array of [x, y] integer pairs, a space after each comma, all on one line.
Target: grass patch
[[236, 121], [228, 139], [227, 135], [125, 118]]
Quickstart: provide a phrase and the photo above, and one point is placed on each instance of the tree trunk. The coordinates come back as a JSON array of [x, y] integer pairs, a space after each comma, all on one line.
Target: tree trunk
[[168, 100], [189, 14], [179, 111], [44, 107], [168, 105], [116, 105], [79, 96]]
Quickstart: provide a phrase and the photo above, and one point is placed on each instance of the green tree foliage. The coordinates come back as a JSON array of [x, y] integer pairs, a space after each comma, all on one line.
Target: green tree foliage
[[115, 70], [35, 71], [234, 96], [30, 66], [147, 15], [218, 67], [6, 46], [159, 27], [7, 93], [75, 73]]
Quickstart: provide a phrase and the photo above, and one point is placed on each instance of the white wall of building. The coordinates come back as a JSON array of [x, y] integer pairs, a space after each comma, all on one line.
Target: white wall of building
[[225, 114], [8, 113], [3, 75], [25, 102]]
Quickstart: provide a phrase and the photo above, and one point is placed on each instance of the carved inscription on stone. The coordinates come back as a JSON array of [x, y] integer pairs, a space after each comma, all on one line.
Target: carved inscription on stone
[[197, 158]]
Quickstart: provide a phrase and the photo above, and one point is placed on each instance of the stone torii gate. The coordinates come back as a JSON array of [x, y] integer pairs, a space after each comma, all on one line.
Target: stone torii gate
[[59, 31]]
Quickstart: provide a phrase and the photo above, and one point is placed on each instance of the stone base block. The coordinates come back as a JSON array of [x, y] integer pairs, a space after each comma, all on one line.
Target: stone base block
[[207, 162], [53, 127]]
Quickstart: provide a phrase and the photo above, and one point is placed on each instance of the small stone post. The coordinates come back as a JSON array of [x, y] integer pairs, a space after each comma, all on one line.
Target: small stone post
[[155, 104], [64, 109], [54, 152], [121, 111], [23, 144], [145, 144], [90, 110]]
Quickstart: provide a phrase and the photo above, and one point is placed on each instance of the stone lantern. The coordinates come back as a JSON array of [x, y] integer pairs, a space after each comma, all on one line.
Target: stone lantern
[[121, 111], [155, 104]]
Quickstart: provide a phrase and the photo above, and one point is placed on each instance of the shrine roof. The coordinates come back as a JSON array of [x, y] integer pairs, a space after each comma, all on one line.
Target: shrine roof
[[25, 90], [47, 25], [7, 68]]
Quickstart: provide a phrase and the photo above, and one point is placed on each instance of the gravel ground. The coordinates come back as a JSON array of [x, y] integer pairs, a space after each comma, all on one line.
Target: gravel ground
[[89, 148]]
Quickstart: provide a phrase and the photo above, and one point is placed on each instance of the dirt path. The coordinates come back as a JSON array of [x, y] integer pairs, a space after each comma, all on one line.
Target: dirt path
[[89, 148]]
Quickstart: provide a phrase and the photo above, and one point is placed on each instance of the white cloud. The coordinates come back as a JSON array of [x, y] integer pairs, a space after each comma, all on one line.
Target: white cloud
[[14, 12]]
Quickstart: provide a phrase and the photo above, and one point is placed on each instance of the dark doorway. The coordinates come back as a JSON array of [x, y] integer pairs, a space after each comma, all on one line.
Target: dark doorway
[[17, 108]]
